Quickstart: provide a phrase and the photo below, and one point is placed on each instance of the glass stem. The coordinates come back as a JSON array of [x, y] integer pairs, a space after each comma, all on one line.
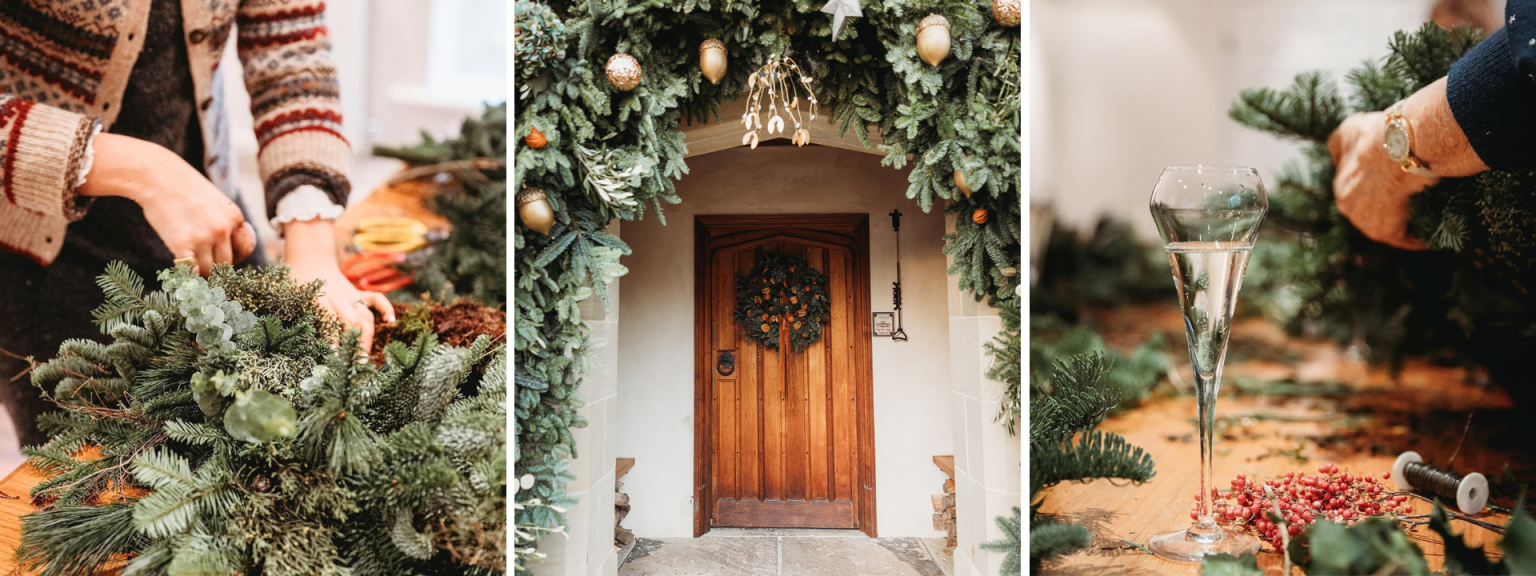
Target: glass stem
[[1205, 395]]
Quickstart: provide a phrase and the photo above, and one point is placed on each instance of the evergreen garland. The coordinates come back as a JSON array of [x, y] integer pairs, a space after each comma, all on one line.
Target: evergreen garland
[[218, 432], [473, 260], [782, 287], [614, 154], [1467, 296]]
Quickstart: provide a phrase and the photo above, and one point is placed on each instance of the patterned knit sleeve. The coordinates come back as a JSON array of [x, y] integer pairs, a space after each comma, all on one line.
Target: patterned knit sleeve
[[41, 152], [286, 52]]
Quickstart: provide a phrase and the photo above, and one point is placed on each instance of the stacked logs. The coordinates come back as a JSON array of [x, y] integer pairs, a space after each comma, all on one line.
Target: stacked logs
[[944, 512], [622, 537]]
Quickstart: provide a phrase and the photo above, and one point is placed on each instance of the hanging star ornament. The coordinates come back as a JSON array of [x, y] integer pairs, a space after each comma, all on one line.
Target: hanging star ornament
[[840, 10]]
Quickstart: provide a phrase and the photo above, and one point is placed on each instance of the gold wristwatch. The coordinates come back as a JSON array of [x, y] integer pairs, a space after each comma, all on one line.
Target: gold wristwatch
[[1398, 140]]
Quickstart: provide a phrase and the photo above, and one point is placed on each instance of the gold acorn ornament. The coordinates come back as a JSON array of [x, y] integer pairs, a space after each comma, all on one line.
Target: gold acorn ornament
[[623, 72], [933, 39], [1006, 12], [712, 60], [533, 207], [960, 183], [776, 82]]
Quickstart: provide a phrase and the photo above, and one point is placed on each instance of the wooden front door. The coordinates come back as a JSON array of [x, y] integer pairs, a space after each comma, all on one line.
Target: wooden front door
[[786, 436]]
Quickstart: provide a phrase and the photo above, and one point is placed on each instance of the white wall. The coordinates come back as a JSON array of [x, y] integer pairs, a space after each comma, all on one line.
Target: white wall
[[1134, 85], [655, 390]]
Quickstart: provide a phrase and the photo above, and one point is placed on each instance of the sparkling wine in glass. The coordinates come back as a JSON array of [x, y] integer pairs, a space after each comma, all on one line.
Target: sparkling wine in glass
[[1208, 217]]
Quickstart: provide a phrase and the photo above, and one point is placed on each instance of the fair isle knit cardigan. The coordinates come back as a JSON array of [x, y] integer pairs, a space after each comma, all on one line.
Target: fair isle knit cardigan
[[64, 67]]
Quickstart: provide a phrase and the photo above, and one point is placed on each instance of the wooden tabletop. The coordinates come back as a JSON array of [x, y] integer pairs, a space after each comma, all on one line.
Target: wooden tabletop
[[15, 503], [1361, 428]]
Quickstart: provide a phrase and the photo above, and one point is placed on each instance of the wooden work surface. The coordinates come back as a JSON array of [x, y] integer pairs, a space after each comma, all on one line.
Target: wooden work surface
[[15, 503], [1361, 428]]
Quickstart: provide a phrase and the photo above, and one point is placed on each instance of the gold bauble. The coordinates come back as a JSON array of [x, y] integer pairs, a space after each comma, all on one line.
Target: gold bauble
[[1006, 12], [960, 183], [712, 60], [933, 39], [623, 72], [533, 206]]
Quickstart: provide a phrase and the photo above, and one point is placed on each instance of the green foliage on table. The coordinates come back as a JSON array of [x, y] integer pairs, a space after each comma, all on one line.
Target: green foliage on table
[[1380, 546], [1109, 266], [1374, 546], [473, 259], [234, 439], [1131, 375], [1315, 273], [963, 114], [1065, 445], [1229, 565]]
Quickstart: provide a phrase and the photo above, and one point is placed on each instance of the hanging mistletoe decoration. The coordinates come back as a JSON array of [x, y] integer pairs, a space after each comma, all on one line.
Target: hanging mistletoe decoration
[[782, 292], [776, 82]]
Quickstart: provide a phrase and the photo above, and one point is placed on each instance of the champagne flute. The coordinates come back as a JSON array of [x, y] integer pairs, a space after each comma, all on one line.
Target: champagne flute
[[1208, 217]]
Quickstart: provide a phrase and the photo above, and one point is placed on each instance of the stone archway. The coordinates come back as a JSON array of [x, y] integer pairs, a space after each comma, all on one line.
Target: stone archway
[[988, 470]]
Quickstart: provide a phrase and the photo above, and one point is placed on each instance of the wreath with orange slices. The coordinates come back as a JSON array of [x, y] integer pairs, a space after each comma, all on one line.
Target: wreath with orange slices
[[782, 293]]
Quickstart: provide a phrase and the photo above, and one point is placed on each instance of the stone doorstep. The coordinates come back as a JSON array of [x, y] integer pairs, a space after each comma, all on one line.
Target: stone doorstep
[[785, 552]]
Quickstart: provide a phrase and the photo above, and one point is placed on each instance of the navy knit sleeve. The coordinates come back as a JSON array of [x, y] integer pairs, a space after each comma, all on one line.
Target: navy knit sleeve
[[1492, 91]]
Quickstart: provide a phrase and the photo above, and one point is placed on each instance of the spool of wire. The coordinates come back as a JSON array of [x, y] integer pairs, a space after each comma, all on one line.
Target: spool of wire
[[1470, 491]]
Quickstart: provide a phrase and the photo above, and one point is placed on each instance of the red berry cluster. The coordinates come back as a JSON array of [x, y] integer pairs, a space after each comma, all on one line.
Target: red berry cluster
[[1344, 498]]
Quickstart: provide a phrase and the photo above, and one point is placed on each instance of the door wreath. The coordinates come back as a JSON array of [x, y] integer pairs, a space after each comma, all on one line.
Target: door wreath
[[783, 291]]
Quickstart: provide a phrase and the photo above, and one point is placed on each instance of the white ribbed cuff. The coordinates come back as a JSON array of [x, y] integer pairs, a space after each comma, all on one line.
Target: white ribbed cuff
[[303, 204], [90, 155]]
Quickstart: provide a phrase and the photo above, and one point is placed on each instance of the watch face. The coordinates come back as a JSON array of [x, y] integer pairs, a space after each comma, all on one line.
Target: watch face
[[1396, 140]]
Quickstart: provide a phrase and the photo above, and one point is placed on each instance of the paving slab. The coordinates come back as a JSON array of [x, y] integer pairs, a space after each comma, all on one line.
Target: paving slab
[[942, 554], [849, 557], [703, 557], [784, 552]]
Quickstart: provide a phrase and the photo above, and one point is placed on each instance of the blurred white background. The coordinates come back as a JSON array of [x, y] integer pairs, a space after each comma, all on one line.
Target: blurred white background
[[1121, 88]]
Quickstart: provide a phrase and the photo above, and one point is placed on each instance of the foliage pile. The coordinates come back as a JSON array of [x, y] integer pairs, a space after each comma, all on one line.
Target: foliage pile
[[456, 323], [218, 432], [1315, 272], [961, 115], [473, 260], [1108, 268], [1064, 445]]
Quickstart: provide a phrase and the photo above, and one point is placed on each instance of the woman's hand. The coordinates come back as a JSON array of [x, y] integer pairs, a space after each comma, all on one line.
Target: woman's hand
[[1372, 191], [310, 251], [193, 218]]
